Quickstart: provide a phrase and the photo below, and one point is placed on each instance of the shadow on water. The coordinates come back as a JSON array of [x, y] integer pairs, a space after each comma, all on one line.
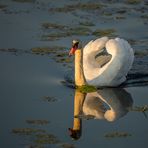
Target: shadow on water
[[108, 104]]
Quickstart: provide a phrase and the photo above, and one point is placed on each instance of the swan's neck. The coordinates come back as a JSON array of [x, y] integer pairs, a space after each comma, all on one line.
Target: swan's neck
[[79, 75]]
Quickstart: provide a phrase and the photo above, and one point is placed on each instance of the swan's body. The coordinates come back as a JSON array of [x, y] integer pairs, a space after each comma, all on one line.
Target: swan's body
[[114, 72], [99, 69]]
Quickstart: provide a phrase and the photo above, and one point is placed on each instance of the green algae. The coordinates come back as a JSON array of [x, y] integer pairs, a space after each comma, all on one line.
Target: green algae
[[86, 88], [104, 32], [117, 135]]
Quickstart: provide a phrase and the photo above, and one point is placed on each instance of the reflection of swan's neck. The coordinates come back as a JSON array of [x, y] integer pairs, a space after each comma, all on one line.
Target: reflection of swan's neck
[[78, 103], [79, 75]]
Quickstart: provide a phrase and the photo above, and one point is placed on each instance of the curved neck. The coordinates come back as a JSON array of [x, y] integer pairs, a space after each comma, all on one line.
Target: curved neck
[[79, 75]]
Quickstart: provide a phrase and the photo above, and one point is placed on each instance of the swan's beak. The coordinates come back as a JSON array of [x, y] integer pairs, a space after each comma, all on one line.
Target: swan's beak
[[72, 51]]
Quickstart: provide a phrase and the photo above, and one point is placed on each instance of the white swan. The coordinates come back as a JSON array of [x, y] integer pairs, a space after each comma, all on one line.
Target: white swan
[[103, 62]]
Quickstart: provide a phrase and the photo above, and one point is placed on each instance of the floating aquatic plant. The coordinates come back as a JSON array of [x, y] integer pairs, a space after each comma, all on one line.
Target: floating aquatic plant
[[117, 135], [86, 88]]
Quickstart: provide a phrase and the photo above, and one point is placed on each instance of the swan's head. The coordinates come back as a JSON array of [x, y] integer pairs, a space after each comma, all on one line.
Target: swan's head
[[75, 45]]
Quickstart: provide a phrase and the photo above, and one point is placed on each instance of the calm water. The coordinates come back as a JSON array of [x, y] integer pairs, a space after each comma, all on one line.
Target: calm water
[[37, 110]]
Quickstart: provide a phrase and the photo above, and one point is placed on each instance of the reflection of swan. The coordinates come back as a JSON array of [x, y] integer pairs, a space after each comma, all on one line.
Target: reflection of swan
[[102, 67], [118, 101], [108, 103]]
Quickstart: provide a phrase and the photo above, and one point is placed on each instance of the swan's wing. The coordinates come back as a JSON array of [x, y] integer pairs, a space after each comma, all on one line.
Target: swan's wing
[[102, 58]]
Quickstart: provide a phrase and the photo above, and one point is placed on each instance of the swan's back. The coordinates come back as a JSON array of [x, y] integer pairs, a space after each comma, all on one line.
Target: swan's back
[[108, 69]]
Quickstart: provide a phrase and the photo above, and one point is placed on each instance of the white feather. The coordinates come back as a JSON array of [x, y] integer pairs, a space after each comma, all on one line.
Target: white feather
[[115, 71]]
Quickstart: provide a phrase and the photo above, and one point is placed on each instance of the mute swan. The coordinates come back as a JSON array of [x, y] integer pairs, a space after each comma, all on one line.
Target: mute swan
[[102, 62]]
